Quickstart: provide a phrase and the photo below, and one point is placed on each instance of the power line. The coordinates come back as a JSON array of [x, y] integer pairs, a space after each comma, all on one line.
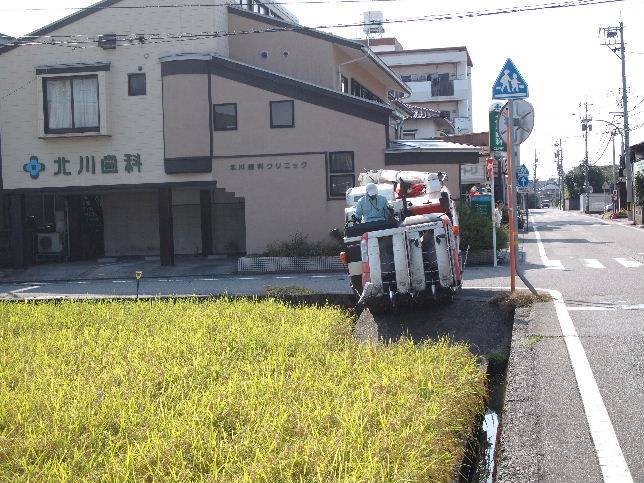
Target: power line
[[426, 18], [197, 5]]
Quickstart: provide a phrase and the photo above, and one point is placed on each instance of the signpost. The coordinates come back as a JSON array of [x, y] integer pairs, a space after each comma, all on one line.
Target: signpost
[[515, 125], [490, 175]]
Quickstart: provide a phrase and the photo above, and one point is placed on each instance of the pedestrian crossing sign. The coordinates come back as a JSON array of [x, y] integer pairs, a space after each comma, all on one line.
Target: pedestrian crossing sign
[[510, 83]]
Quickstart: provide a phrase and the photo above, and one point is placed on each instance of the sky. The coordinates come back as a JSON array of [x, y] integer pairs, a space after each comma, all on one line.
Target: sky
[[558, 52]]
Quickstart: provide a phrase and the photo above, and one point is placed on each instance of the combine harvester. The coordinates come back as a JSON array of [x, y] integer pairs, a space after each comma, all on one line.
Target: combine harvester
[[414, 253]]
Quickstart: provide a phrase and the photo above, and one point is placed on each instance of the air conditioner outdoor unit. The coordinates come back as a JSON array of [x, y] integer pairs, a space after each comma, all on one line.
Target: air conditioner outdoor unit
[[48, 243]]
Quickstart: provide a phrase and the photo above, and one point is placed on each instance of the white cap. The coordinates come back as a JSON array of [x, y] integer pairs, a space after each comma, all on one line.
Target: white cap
[[372, 189]]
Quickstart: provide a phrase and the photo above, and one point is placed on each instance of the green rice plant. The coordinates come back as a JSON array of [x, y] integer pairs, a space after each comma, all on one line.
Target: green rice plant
[[225, 391]]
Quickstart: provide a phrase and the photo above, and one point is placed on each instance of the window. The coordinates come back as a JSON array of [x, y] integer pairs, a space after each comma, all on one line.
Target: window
[[136, 84], [442, 85], [359, 90], [341, 173], [282, 114], [344, 84], [410, 134], [225, 117], [71, 104]]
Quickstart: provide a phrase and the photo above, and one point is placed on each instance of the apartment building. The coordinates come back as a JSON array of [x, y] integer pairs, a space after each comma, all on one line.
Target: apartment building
[[159, 143], [440, 81]]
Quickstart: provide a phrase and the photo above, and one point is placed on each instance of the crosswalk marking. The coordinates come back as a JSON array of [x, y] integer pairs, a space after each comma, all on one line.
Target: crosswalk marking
[[554, 265], [628, 262], [593, 263]]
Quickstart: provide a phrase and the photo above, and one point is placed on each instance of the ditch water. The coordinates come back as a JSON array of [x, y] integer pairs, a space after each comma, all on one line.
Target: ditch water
[[479, 463]]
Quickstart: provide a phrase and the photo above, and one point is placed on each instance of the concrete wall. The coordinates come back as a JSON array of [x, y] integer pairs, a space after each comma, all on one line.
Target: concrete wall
[[283, 200], [186, 110], [135, 123], [308, 58]]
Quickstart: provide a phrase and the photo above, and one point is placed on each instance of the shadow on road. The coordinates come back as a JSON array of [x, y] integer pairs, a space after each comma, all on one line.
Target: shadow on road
[[471, 319]]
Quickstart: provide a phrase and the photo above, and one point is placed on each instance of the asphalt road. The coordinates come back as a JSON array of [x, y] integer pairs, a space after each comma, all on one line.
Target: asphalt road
[[598, 266], [225, 284]]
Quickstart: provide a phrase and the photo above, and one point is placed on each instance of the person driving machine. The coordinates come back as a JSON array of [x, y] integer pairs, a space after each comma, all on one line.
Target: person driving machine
[[373, 206]]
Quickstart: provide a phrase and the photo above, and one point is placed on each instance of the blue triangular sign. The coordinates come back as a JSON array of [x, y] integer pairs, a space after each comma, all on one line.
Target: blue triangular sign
[[510, 83]]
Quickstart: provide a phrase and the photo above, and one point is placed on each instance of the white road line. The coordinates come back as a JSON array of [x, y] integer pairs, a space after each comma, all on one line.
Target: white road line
[[633, 307], [207, 279], [609, 453], [246, 278], [285, 278], [628, 262], [592, 263], [320, 276], [549, 264], [611, 459], [590, 309], [24, 289], [122, 281]]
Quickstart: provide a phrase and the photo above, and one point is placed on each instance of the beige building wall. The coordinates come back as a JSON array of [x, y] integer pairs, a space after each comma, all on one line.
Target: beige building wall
[[186, 110], [357, 71], [308, 58], [282, 201], [135, 124]]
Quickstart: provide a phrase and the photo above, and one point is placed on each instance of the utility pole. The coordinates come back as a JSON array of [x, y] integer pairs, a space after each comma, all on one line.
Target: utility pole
[[617, 46], [560, 171], [534, 169], [586, 126]]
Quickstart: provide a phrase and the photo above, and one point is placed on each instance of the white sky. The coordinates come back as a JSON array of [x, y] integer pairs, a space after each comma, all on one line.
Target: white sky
[[559, 53]]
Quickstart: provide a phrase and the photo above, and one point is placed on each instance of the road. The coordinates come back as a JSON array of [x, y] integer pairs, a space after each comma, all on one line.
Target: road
[[225, 284], [598, 267]]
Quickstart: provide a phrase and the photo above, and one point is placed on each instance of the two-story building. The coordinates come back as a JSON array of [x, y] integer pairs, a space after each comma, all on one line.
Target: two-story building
[[202, 129], [440, 81]]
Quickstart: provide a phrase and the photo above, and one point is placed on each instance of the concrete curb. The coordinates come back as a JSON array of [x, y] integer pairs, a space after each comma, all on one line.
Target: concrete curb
[[346, 301], [517, 459]]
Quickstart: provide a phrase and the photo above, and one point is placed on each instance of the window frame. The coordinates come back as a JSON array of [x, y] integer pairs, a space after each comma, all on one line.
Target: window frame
[[331, 174], [214, 117], [270, 114], [344, 84], [129, 84], [72, 130]]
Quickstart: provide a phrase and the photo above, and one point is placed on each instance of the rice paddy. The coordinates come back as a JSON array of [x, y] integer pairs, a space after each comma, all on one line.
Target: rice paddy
[[225, 390]]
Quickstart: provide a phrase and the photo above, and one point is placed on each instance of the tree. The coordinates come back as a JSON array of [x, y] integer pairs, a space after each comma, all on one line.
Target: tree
[[574, 180]]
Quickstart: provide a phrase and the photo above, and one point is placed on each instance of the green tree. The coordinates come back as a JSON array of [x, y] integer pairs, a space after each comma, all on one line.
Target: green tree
[[638, 184], [574, 180]]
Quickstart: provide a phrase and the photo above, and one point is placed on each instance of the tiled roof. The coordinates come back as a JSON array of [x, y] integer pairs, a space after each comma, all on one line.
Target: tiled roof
[[419, 112]]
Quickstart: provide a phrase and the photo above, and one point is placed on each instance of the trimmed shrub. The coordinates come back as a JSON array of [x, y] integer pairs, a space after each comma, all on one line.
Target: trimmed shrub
[[476, 229]]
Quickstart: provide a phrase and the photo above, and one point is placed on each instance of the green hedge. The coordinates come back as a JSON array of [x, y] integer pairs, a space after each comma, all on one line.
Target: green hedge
[[476, 229]]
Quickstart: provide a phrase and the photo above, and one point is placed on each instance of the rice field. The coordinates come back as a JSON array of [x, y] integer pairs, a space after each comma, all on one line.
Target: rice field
[[227, 390]]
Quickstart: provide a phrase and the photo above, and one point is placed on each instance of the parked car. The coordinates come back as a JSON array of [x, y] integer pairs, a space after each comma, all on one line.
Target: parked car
[[545, 204]]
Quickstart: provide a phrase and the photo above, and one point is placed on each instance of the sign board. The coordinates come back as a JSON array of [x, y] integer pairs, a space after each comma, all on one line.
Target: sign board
[[482, 204], [605, 186], [510, 84], [523, 176], [497, 144], [473, 173], [525, 190]]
